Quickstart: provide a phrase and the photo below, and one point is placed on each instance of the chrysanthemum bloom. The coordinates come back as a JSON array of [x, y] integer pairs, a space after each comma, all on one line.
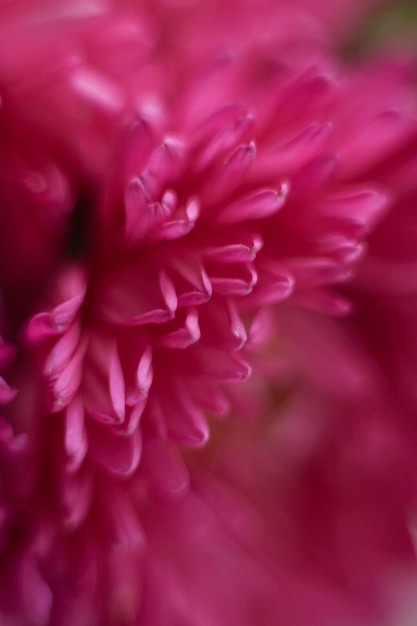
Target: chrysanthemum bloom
[[220, 191]]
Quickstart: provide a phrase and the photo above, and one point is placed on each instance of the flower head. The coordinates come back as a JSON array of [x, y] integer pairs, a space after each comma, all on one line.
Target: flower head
[[198, 219]]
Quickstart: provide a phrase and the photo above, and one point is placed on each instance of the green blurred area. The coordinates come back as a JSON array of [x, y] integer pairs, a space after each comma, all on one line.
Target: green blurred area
[[395, 22]]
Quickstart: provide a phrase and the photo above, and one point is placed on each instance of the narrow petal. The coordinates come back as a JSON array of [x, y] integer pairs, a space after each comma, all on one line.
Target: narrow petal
[[137, 295], [275, 283], [293, 152], [182, 225], [222, 365], [358, 209], [7, 394], [192, 284], [185, 335], [258, 205], [142, 216], [226, 178], [225, 139], [221, 326], [167, 161], [75, 494], [75, 434], [233, 279], [117, 454], [165, 467], [244, 252]]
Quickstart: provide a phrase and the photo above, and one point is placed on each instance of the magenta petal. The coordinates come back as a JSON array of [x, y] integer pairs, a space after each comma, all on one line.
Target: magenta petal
[[294, 152], [73, 285], [62, 352], [258, 205], [75, 493], [163, 463], [144, 373], [6, 393], [275, 283], [35, 595], [235, 253], [67, 384], [41, 327], [180, 227], [343, 249], [325, 302], [103, 381], [186, 423], [134, 414], [221, 326], [223, 117], [117, 383], [75, 434], [312, 272], [232, 279], [222, 365], [7, 352], [139, 141], [359, 209], [167, 161], [229, 176], [376, 140], [184, 336], [141, 214], [316, 173], [191, 281], [137, 295], [226, 138], [135, 354], [98, 89], [117, 454], [211, 398]]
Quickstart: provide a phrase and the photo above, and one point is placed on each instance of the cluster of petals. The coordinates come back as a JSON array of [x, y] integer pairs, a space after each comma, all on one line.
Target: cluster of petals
[[174, 224], [210, 212]]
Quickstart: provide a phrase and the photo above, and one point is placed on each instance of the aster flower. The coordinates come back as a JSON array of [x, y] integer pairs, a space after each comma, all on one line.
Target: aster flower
[[189, 240], [200, 196]]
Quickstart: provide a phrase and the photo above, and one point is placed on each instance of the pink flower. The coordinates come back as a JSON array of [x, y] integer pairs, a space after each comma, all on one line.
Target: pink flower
[[162, 215]]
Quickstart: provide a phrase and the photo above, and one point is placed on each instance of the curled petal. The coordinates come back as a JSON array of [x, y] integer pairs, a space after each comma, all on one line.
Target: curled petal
[[221, 326], [312, 272], [221, 365], [75, 436], [185, 422], [97, 89], [293, 152], [235, 252], [213, 125], [167, 161], [258, 205], [7, 394], [229, 175], [181, 225], [184, 336], [73, 287], [64, 388], [192, 284], [142, 216], [137, 294], [75, 494], [165, 466], [357, 211], [275, 283], [117, 454], [62, 352], [316, 173], [225, 139], [232, 279]]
